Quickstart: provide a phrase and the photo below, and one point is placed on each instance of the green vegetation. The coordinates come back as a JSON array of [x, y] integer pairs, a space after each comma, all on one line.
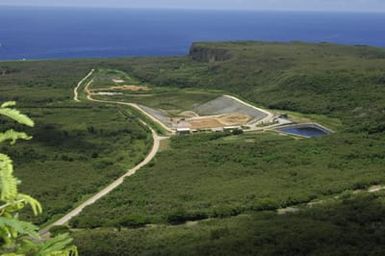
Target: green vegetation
[[98, 143], [19, 237], [200, 177], [353, 226], [157, 127], [106, 78], [78, 148], [330, 122], [234, 180], [344, 82], [211, 176], [172, 100]]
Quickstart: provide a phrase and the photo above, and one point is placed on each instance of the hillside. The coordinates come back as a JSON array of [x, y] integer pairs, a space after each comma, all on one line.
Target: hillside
[[334, 80], [213, 194]]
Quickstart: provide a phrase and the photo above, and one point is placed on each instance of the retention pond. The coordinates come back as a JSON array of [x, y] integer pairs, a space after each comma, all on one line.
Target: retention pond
[[305, 130]]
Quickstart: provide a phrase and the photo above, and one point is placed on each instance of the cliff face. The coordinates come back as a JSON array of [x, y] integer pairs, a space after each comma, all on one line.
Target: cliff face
[[199, 52]]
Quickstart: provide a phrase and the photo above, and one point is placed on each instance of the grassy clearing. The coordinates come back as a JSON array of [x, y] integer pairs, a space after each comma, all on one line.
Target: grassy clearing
[[329, 122], [104, 78], [171, 100], [164, 145]]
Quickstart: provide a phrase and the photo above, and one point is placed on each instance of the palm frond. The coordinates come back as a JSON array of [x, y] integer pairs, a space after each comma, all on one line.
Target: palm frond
[[35, 205], [8, 183], [16, 116], [15, 226], [13, 136], [58, 246], [22, 237], [8, 104]]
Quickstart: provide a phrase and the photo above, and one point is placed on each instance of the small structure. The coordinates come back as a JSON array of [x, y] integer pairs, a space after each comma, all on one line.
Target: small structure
[[282, 121], [232, 128], [217, 129], [183, 131]]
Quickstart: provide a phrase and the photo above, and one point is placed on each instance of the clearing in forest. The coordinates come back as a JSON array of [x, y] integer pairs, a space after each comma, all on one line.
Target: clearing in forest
[[190, 108]]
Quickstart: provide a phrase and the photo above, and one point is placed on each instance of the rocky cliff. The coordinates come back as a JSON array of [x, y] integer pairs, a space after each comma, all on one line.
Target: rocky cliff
[[201, 52]]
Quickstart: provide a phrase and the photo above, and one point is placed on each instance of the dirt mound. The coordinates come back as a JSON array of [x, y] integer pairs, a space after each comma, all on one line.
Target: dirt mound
[[208, 122], [234, 119], [226, 105], [133, 88], [204, 123]]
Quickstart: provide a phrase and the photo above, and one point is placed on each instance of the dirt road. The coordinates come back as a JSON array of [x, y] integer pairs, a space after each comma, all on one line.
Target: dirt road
[[133, 105], [76, 95], [66, 218], [154, 150]]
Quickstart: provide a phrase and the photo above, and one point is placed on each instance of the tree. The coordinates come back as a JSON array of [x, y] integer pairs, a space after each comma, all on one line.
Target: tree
[[17, 237]]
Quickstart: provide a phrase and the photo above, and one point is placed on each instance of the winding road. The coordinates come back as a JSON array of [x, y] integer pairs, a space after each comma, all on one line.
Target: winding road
[[154, 150], [133, 105], [75, 212], [76, 96]]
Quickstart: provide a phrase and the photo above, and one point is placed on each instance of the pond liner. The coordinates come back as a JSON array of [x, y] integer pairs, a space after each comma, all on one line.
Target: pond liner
[[295, 129]]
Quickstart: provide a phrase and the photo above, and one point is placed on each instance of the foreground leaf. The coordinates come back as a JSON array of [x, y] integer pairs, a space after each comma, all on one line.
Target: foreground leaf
[[8, 183], [18, 226], [58, 246], [35, 205], [13, 136], [17, 116]]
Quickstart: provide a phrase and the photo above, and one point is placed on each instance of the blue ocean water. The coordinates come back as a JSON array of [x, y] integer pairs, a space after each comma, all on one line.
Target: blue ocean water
[[41, 33]]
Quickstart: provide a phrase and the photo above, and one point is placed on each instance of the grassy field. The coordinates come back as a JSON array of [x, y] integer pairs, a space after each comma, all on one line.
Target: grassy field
[[105, 78], [330, 122], [234, 180], [172, 100]]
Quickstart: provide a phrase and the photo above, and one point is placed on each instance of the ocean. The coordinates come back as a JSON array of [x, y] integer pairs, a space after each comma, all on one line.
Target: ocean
[[52, 33]]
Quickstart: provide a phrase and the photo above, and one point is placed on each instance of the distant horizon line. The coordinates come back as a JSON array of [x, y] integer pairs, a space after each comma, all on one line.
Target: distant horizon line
[[191, 9]]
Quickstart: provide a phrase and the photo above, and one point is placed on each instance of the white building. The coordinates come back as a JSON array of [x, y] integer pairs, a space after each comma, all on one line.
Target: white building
[[182, 131]]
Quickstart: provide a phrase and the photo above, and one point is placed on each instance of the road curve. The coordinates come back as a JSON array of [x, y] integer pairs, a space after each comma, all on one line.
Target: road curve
[[133, 105], [76, 98], [75, 212], [155, 148], [66, 218]]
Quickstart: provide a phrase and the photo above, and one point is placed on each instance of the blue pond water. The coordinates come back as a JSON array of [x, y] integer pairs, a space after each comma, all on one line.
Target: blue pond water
[[305, 131]]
